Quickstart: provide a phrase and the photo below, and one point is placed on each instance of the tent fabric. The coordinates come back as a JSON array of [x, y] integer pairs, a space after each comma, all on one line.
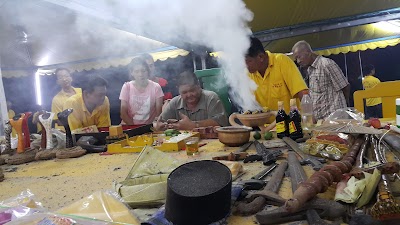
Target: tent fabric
[[96, 64], [15, 73], [55, 36], [359, 47], [340, 37], [350, 47], [350, 39], [164, 55], [274, 14], [288, 13]]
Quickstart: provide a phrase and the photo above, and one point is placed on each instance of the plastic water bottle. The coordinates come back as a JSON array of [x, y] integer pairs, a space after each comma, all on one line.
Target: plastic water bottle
[[306, 112]]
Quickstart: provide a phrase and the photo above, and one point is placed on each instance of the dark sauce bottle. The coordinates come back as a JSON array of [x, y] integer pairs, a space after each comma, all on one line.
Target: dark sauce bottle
[[295, 130], [282, 129]]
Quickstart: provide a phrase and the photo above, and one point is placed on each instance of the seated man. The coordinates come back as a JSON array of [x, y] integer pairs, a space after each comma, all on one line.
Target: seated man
[[91, 107], [194, 107], [276, 76]]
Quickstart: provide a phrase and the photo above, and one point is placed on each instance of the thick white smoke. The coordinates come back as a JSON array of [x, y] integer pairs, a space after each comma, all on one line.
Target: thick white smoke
[[220, 25]]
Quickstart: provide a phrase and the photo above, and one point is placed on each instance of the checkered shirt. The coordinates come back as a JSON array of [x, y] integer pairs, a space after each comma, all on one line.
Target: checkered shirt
[[326, 84]]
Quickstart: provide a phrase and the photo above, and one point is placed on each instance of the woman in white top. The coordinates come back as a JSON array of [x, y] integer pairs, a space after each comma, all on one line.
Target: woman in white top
[[141, 98]]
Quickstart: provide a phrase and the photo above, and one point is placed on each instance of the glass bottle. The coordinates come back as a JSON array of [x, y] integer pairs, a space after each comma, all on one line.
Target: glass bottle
[[282, 118], [295, 130]]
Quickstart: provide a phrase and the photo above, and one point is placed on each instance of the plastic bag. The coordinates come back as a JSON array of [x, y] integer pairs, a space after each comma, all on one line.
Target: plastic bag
[[54, 219], [36, 140], [11, 214], [14, 142], [5, 217], [353, 188], [61, 138], [346, 115], [328, 145], [101, 205], [146, 183], [25, 198], [20, 206], [346, 120]]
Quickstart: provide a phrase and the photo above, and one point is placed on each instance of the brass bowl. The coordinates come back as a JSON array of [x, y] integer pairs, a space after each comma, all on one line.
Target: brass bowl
[[234, 136], [254, 120]]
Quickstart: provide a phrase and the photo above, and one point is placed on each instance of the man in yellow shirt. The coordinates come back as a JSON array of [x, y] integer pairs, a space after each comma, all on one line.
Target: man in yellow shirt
[[276, 75], [91, 107], [64, 80], [373, 105]]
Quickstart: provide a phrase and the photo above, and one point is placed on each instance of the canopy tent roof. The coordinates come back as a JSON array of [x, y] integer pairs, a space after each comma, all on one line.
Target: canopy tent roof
[[273, 14], [37, 35], [342, 40], [291, 15], [33, 35]]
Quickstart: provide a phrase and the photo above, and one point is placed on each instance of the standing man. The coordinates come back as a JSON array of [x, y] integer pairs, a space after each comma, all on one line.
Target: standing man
[[276, 75], [64, 80], [91, 107], [161, 81], [329, 88], [373, 105]]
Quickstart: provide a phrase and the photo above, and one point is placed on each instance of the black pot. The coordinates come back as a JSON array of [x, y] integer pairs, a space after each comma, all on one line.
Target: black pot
[[198, 193]]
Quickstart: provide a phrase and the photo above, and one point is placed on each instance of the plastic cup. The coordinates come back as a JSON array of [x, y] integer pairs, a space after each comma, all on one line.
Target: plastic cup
[[192, 146]]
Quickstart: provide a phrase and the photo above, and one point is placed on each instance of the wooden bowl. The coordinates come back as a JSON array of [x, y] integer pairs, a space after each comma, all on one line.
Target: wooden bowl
[[254, 120], [234, 136]]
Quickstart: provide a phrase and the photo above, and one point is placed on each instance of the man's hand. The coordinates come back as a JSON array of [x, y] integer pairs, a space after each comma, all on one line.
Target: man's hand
[[165, 104], [184, 124], [159, 125], [301, 93]]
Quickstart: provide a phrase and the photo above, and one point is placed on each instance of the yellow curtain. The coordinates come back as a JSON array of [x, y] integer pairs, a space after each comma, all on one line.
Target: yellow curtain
[[102, 64], [359, 47], [345, 49]]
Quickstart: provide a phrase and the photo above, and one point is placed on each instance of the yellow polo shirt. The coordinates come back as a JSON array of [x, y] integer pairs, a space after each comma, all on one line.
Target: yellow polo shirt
[[368, 83], [81, 117], [58, 102], [282, 80]]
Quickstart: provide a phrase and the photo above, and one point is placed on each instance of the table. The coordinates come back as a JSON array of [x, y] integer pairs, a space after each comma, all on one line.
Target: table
[[58, 183]]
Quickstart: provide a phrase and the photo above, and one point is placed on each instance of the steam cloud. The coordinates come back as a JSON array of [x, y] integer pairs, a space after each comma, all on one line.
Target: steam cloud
[[220, 25]]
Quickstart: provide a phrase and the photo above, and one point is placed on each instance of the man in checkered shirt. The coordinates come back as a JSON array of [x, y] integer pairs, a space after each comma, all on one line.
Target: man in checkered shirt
[[329, 88]]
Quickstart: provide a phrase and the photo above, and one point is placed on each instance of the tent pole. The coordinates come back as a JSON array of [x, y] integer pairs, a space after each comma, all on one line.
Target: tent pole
[[345, 64], [3, 105], [203, 62], [194, 62], [361, 69]]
